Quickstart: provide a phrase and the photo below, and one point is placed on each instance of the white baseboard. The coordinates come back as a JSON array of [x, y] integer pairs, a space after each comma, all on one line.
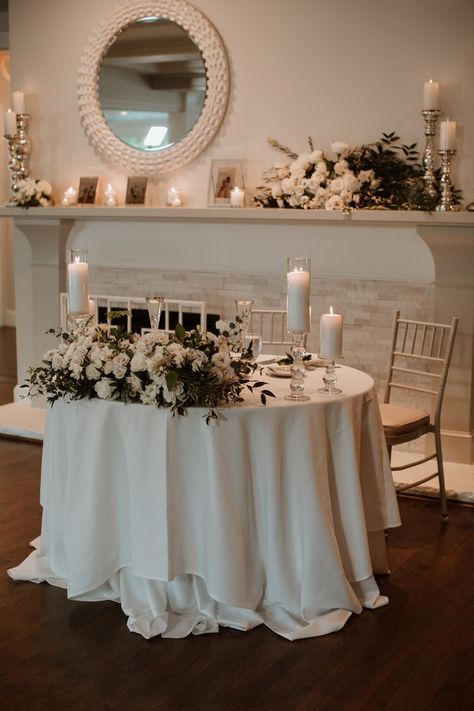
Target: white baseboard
[[10, 318]]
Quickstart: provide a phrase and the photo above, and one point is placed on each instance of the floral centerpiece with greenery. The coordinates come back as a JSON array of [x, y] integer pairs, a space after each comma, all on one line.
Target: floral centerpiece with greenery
[[32, 192], [381, 175], [177, 371]]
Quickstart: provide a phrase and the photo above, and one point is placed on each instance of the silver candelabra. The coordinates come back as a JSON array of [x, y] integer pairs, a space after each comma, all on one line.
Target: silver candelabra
[[431, 117], [19, 148]]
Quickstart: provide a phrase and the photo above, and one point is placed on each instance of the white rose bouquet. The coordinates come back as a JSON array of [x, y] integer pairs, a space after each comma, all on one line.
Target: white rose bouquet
[[32, 192], [181, 370], [380, 175]]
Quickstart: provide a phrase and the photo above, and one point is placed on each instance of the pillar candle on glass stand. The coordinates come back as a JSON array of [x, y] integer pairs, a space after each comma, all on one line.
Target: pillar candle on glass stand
[[330, 335], [77, 282], [330, 348], [298, 280]]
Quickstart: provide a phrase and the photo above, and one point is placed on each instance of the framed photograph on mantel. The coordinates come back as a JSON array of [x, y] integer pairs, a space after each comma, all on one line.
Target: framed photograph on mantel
[[87, 191], [225, 175], [136, 190]]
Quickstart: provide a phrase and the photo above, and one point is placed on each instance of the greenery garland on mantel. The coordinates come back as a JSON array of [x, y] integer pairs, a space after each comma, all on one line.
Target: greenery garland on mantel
[[385, 175]]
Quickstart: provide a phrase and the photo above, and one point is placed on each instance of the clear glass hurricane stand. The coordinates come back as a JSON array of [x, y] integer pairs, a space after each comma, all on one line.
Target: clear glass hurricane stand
[[330, 379], [154, 306], [297, 369], [78, 322]]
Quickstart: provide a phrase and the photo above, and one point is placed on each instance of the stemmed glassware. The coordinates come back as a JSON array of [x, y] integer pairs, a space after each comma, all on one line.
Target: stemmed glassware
[[243, 309], [154, 305]]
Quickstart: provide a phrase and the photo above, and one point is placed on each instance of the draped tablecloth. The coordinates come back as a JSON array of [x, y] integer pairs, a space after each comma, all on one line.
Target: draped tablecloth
[[271, 514]]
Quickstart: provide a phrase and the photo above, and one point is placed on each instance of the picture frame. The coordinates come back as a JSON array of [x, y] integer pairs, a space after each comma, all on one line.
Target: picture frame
[[136, 190], [225, 174], [87, 192]]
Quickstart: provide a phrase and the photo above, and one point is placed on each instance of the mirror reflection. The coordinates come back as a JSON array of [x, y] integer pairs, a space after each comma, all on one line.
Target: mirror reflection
[[152, 84]]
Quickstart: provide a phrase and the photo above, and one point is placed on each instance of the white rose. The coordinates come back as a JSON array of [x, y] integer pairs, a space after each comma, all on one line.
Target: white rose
[[340, 148], [276, 190], [334, 203], [365, 176], [92, 373], [138, 362], [287, 186], [315, 156], [44, 187], [336, 185], [340, 166], [104, 388]]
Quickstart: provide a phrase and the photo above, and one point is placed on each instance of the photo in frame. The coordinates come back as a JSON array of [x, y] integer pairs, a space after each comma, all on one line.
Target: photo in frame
[[87, 191], [136, 190], [225, 175]]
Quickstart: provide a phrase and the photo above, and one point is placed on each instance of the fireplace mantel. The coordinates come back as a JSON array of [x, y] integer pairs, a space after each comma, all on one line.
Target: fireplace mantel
[[257, 241], [255, 215]]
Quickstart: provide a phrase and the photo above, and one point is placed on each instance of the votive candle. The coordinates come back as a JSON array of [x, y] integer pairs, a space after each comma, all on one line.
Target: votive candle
[[431, 95], [447, 135], [237, 197], [174, 197], [330, 335], [110, 196]]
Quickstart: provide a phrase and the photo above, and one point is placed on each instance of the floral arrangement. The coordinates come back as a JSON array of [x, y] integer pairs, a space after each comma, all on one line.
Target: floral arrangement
[[180, 370], [380, 175], [32, 192]]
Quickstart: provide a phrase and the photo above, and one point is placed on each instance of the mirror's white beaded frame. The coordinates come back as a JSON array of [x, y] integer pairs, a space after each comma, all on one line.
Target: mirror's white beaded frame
[[210, 44]]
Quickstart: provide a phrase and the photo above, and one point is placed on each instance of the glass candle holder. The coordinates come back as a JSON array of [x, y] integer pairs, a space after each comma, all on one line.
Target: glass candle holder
[[77, 282], [154, 306], [297, 369], [330, 379]]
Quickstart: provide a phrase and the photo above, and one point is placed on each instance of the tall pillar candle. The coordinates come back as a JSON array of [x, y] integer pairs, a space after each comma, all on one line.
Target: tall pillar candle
[[330, 335], [298, 295], [10, 123], [447, 135], [431, 95], [18, 101], [77, 282]]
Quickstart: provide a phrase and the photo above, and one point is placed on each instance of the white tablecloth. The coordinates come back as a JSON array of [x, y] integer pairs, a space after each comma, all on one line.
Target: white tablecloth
[[268, 515]]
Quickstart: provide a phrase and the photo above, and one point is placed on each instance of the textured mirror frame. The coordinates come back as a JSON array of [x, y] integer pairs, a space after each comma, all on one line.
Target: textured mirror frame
[[207, 39]]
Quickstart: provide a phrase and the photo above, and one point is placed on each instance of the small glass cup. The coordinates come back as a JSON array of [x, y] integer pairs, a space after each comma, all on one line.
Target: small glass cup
[[254, 342], [154, 306]]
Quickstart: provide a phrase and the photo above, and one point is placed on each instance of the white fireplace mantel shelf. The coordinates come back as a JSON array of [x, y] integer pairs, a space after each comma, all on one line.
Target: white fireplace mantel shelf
[[397, 218]]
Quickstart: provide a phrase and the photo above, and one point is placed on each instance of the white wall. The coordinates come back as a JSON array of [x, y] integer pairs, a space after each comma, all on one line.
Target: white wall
[[335, 71]]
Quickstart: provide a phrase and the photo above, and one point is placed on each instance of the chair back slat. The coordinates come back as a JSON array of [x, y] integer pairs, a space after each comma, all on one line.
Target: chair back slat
[[420, 356], [271, 324]]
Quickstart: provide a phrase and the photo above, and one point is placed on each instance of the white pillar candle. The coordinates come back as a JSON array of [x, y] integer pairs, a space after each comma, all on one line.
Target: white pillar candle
[[431, 95], [10, 123], [18, 101], [237, 197], [447, 135], [174, 197], [78, 287], [299, 285], [330, 335]]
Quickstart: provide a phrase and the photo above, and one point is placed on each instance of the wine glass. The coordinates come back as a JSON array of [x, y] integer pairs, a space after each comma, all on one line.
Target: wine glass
[[154, 305]]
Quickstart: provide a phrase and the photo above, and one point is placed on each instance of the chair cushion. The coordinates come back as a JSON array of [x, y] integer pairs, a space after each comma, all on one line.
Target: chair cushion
[[398, 419]]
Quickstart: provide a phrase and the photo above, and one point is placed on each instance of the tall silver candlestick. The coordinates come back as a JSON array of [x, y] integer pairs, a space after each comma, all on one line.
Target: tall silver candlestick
[[19, 148], [447, 203], [431, 117]]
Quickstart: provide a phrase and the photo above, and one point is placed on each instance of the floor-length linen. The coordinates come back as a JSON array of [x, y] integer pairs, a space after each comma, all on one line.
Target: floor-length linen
[[269, 514]]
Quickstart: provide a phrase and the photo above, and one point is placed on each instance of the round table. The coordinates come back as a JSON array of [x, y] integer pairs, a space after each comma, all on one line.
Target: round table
[[269, 515]]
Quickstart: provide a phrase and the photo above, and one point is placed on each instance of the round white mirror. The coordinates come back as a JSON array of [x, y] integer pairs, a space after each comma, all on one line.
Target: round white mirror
[[153, 85]]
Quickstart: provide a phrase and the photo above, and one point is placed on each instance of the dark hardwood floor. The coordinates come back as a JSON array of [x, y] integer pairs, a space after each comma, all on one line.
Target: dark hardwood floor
[[7, 363], [416, 654]]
